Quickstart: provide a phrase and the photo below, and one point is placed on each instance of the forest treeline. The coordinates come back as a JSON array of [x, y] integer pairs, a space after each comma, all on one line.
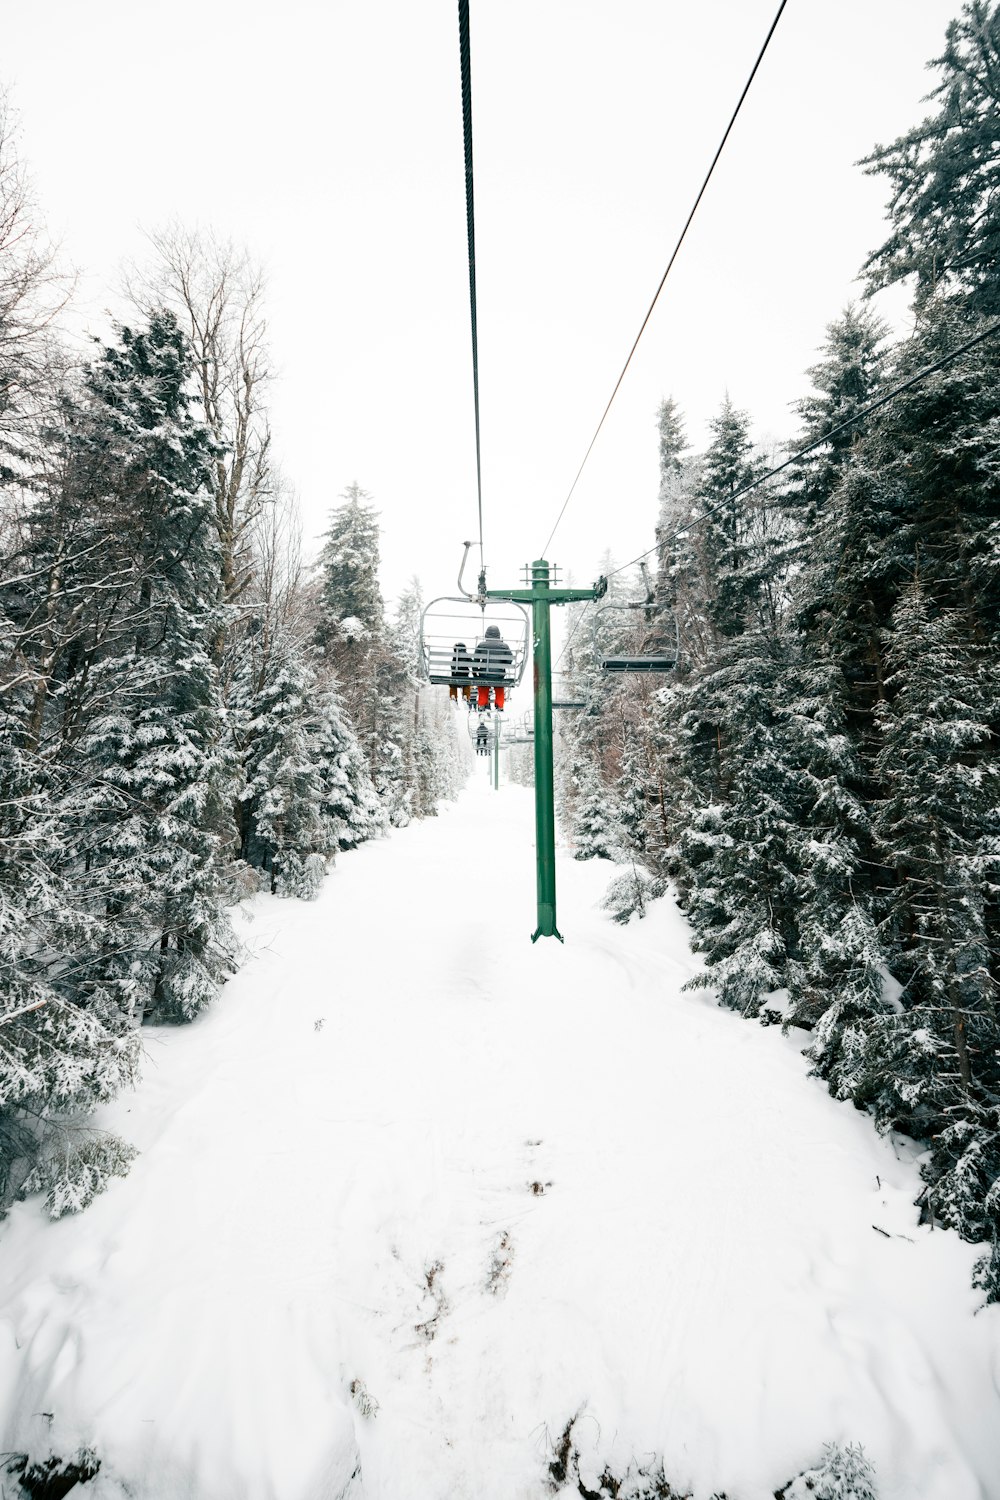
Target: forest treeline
[[188, 713], [820, 776]]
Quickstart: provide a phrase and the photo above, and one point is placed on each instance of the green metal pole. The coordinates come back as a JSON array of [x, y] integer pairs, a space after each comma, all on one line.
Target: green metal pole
[[545, 814], [496, 751], [541, 597]]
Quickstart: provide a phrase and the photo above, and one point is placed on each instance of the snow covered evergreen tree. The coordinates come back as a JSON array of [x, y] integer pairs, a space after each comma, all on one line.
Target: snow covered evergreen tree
[[836, 977], [352, 611], [353, 638], [407, 743], [158, 736], [349, 800], [945, 174], [56, 1055], [594, 831], [283, 832], [844, 381], [938, 830], [433, 769], [739, 849], [734, 557]]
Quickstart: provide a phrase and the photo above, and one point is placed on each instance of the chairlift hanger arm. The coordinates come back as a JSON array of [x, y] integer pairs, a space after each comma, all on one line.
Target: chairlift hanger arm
[[465, 558]]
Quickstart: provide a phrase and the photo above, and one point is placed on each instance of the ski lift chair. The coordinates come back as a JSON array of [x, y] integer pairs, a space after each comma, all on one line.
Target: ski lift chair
[[478, 721], [562, 692], [656, 653], [446, 623], [519, 731], [658, 649]]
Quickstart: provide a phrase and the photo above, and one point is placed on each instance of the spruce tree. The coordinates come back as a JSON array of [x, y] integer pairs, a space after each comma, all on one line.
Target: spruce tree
[[157, 738], [57, 1055], [273, 703], [357, 647], [731, 540], [844, 380], [595, 832], [936, 827], [945, 174], [352, 611], [739, 848], [349, 801], [938, 830], [672, 445]]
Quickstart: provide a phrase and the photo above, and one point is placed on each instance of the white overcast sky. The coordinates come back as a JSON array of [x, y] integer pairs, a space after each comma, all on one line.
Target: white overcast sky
[[326, 137]]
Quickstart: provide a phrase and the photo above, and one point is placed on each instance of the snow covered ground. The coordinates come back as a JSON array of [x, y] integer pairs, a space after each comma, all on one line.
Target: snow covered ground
[[411, 1160]]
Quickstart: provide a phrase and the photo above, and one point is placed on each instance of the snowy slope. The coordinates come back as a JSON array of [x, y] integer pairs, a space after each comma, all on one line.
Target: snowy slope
[[490, 1185]]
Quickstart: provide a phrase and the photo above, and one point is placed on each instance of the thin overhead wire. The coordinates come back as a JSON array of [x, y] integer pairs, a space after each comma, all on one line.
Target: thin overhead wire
[[865, 411], [670, 263], [470, 218], [576, 627], [858, 416]]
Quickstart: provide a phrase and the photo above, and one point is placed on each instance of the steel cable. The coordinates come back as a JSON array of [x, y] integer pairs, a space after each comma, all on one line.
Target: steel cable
[[470, 218], [663, 279], [858, 416], [865, 411]]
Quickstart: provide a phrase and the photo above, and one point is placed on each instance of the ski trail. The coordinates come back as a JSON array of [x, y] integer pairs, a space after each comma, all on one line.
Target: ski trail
[[415, 1192]]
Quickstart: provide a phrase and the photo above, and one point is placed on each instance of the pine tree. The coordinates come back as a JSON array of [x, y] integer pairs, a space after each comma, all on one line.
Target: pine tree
[[425, 730], [732, 551], [283, 832], [352, 609], [594, 821], [739, 849], [945, 174], [349, 802], [672, 445], [634, 778], [157, 738], [836, 978], [936, 829], [358, 648], [845, 380], [56, 1056]]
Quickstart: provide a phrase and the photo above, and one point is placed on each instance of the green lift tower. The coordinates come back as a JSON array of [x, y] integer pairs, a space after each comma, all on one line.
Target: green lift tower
[[541, 596]]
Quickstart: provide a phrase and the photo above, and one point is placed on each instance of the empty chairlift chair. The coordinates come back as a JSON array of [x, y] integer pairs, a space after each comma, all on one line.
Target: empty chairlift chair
[[519, 731], [657, 647]]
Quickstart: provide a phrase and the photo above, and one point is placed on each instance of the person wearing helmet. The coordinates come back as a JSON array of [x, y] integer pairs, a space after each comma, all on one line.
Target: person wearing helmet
[[482, 740], [490, 662]]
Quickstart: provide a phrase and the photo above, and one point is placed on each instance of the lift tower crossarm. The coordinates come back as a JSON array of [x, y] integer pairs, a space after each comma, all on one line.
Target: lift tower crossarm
[[554, 596], [541, 597]]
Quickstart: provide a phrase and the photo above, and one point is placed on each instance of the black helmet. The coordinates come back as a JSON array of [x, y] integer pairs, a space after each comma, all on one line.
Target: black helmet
[[493, 632]]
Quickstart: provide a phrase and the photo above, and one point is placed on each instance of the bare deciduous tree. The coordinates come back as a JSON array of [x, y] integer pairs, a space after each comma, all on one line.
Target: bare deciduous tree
[[32, 292], [216, 290]]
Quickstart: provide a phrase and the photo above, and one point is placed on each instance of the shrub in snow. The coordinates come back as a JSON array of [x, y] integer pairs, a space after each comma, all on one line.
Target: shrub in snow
[[987, 1272], [578, 1470], [51, 1478], [71, 1178], [630, 893], [363, 1399], [844, 1474]]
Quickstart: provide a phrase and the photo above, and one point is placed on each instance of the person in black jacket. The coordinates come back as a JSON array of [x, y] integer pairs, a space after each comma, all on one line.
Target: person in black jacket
[[461, 666], [490, 661], [482, 740]]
